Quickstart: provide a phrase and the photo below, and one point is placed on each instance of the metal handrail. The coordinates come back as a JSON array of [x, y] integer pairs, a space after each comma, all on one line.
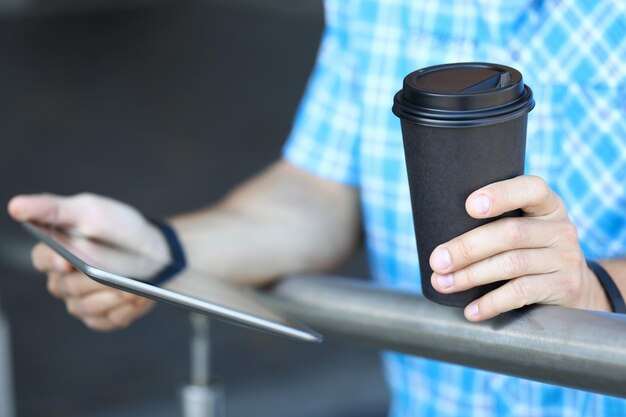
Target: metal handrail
[[7, 407], [203, 396], [563, 346]]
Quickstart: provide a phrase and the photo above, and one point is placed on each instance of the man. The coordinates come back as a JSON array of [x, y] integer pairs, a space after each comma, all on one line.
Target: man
[[344, 164]]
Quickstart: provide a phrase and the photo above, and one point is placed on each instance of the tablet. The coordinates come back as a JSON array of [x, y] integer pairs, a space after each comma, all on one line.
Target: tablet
[[134, 272]]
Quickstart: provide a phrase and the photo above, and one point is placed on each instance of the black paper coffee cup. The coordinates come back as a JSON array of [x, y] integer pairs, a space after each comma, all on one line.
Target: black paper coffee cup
[[463, 127]]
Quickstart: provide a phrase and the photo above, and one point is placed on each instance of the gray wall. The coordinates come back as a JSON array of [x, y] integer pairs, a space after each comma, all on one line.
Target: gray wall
[[144, 105]]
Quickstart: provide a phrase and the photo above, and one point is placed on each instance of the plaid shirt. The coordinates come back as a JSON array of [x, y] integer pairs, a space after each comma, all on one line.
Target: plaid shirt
[[571, 52]]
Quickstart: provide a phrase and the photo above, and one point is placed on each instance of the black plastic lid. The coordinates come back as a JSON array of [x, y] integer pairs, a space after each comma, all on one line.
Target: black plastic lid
[[463, 95]]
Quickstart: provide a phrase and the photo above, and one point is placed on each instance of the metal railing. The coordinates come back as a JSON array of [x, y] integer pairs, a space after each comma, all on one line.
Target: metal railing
[[203, 396], [569, 347], [7, 408]]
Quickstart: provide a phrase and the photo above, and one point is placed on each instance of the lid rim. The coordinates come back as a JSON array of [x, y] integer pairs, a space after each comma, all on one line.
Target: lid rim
[[405, 110], [460, 123]]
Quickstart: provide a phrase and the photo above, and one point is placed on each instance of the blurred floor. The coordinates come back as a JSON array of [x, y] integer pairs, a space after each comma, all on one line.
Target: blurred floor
[[165, 108]]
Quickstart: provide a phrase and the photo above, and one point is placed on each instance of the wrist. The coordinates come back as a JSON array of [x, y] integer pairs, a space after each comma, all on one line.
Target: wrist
[[611, 290], [156, 246], [599, 300]]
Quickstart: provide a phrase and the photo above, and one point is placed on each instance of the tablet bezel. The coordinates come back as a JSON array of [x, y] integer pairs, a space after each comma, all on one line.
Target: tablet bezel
[[292, 330]]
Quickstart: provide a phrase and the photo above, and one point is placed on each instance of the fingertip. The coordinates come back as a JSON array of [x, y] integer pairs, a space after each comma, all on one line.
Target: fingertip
[[45, 259], [60, 264], [478, 205], [442, 283], [98, 324], [433, 281], [440, 260], [472, 312], [16, 207], [38, 207], [122, 316]]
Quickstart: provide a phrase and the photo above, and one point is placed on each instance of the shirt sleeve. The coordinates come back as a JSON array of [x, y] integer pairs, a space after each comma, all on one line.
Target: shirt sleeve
[[324, 136]]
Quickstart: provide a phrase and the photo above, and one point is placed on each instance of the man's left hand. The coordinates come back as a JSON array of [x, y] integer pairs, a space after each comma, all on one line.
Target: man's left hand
[[538, 253]]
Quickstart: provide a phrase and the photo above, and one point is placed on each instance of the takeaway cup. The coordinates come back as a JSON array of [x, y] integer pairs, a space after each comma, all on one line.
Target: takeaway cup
[[463, 127]]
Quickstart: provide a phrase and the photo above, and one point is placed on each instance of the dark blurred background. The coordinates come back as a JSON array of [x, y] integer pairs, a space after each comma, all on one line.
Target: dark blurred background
[[144, 101]]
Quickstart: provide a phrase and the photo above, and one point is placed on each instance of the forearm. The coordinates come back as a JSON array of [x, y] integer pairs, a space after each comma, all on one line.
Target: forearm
[[281, 221]]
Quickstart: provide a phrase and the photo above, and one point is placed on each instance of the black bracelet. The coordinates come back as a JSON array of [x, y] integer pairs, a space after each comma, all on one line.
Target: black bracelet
[[612, 292], [178, 261]]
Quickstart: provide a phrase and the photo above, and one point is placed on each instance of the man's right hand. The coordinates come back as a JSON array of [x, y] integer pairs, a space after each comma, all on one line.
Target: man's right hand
[[282, 221], [100, 307]]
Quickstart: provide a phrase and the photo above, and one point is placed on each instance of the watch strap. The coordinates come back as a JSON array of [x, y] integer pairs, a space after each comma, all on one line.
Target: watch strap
[[178, 262], [610, 288]]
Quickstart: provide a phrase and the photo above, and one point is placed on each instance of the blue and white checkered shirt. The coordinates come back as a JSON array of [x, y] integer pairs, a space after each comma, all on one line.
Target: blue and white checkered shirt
[[573, 55]]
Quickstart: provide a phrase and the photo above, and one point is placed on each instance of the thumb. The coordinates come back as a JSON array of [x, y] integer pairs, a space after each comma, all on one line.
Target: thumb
[[43, 208]]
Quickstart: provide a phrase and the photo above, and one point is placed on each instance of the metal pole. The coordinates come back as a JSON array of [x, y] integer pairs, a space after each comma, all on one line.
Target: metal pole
[[203, 397], [200, 349], [6, 387], [569, 347]]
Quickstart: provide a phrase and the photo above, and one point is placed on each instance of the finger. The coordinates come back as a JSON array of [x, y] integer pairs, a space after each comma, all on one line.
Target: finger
[[496, 237], [54, 285], [86, 214], [527, 192], [100, 324], [43, 208], [94, 304], [120, 317], [74, 285], [127, 313], [504, 266], [519, 292], [46, 260]]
